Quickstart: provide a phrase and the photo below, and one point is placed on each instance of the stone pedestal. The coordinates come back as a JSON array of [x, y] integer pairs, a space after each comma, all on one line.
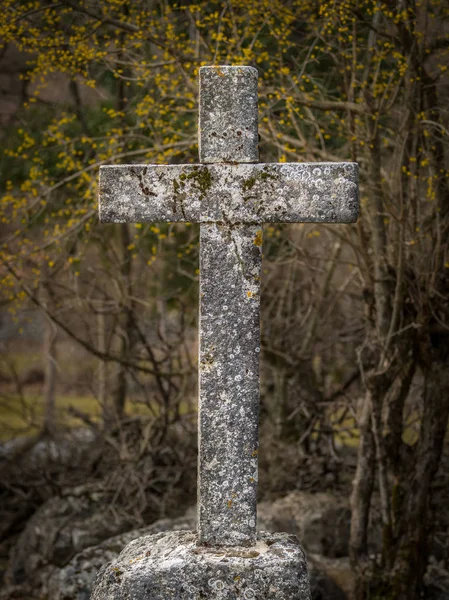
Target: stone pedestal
[[171, 566]]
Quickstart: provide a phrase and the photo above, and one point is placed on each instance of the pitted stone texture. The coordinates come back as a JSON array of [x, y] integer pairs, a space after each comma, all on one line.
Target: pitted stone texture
[[171, 566], [227, 127], [230, 263], [257, 193], [74, 581]]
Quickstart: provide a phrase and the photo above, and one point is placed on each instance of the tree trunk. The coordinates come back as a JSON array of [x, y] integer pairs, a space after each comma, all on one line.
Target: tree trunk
[[362, 489], [49, 352], [115, 406], [411, 553], [102, 390]]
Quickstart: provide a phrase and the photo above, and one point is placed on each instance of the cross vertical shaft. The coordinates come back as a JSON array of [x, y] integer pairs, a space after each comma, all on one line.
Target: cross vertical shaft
[[229, 333]]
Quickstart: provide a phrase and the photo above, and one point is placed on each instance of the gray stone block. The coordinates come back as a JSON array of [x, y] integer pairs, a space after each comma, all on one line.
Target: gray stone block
[[171, 566], [224, 193], [228, 415], [227, 126]]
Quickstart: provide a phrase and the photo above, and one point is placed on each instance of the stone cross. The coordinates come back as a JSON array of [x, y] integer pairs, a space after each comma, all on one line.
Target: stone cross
[[231, 195]]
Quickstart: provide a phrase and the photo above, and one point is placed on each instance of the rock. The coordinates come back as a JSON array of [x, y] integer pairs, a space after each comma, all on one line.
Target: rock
[[321, 521], [323, 587], [38, 451], [58, 530], [231, 193], [74, 581], [227, 128], [229, 383], [30, 466], [436, 580], [331, 578], [54, 530], [171, 566], [69, 539]]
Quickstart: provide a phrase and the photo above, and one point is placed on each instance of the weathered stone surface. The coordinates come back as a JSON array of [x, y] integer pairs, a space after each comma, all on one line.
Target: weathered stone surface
[[320, 520], [238, 193], [60, 528], [229, 383], [331, 578], [74, 581], [436, 580], [171, 566], [37, 453], [227, 126]]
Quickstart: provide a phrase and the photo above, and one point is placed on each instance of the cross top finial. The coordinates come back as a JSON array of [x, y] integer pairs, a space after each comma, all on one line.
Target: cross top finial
[[227, 126]]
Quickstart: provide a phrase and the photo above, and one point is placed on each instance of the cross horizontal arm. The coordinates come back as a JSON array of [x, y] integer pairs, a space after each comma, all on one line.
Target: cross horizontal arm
[[230, 193]]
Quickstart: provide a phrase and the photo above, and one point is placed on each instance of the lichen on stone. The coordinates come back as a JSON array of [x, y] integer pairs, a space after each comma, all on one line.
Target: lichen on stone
[[259, 237], [248, 183], [201, 177], [179, 569]]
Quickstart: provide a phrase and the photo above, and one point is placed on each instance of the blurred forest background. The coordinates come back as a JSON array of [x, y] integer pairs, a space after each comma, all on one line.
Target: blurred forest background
[[98, 327]]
